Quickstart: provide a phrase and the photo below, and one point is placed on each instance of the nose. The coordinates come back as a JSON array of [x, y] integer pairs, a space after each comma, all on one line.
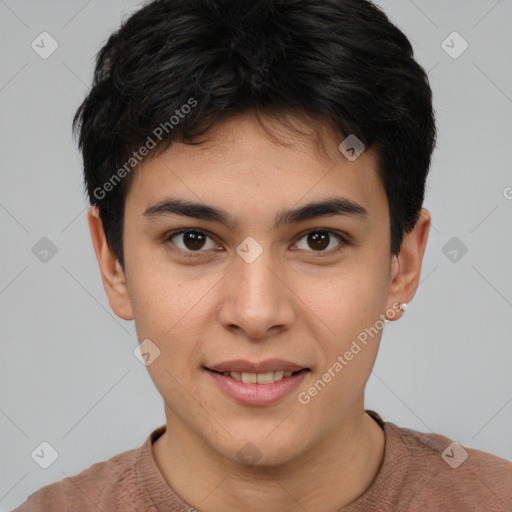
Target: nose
[[257, 300]]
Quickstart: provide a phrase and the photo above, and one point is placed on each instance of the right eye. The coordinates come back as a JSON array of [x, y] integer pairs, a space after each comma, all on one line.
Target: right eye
[[192, 241]]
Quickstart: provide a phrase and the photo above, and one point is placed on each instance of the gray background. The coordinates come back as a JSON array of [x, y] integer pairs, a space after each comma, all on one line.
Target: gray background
[[68, 375]]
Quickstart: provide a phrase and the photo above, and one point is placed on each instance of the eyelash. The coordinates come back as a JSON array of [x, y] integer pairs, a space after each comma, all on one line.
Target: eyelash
[[194, 254]]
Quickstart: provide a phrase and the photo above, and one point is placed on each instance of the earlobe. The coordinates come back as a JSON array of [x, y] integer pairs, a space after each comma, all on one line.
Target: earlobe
[[406, 270], [112, 274]]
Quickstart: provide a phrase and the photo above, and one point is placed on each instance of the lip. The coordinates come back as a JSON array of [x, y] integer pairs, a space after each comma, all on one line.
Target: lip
[[258, 394], [269, 365]]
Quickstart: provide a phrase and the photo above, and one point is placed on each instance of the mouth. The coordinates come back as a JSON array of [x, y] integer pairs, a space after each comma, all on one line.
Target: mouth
[[257, 384], [259, 378]]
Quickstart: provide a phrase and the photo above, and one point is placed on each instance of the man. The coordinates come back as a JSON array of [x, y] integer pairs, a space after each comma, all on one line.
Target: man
[[257, 172]]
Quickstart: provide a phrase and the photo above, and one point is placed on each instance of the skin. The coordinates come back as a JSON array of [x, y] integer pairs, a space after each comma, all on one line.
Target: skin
[[294, 302]]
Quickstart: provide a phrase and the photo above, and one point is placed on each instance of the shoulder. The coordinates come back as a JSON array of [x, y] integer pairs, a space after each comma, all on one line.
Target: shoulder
[[446, 473], [86, 490]]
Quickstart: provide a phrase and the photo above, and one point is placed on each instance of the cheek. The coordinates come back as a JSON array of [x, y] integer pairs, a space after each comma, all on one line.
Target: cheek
[[171, 307], [354, 299], [159, 290], [158, 303], [348, 359], [353, 311]]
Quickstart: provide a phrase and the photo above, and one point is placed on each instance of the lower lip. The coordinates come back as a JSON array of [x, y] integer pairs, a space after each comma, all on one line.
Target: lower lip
[[258, 394]]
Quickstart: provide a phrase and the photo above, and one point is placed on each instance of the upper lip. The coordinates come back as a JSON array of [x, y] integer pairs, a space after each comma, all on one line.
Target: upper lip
[[269, 365]]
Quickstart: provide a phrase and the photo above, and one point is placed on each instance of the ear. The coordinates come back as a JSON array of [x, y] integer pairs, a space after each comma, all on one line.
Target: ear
[[406, 265], [112, 275]]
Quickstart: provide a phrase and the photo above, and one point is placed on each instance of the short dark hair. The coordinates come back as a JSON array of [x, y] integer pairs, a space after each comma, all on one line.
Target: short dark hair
[[340, 62]]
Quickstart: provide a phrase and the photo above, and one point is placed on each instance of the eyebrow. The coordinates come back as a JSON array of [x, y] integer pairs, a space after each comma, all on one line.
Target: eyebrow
[[328, 207]]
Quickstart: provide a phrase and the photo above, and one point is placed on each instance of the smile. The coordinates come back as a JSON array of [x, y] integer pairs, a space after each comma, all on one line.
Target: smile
[[257, 389], [258, 378]]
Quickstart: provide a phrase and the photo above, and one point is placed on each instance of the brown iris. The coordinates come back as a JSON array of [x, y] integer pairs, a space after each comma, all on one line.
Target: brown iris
[[194, 240], [319, 239]]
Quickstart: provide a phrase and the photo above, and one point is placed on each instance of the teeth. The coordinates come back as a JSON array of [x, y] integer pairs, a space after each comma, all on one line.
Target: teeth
[[258, 378], [265, 378], [249, 378]]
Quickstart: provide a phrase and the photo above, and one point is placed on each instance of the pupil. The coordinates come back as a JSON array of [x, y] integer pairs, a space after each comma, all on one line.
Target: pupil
[[320, 239], [194, 240]]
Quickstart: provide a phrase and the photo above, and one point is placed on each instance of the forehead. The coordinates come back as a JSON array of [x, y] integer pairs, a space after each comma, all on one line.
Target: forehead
[[246, 167]]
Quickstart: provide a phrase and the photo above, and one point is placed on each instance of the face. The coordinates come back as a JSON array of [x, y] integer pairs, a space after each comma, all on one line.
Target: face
[[251, 290]]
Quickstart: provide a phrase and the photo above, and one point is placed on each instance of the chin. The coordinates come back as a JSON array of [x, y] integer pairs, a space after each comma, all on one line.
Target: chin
[[262, 448]]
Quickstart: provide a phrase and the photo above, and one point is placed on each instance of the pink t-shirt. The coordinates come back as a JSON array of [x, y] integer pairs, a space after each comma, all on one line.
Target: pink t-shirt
[[419, 473]]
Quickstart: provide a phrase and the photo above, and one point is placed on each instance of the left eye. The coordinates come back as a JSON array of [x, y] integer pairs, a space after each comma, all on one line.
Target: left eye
[[194, 240], [319, 239]]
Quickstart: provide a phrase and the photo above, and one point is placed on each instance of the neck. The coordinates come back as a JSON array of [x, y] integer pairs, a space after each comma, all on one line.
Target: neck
[[338, 470]]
